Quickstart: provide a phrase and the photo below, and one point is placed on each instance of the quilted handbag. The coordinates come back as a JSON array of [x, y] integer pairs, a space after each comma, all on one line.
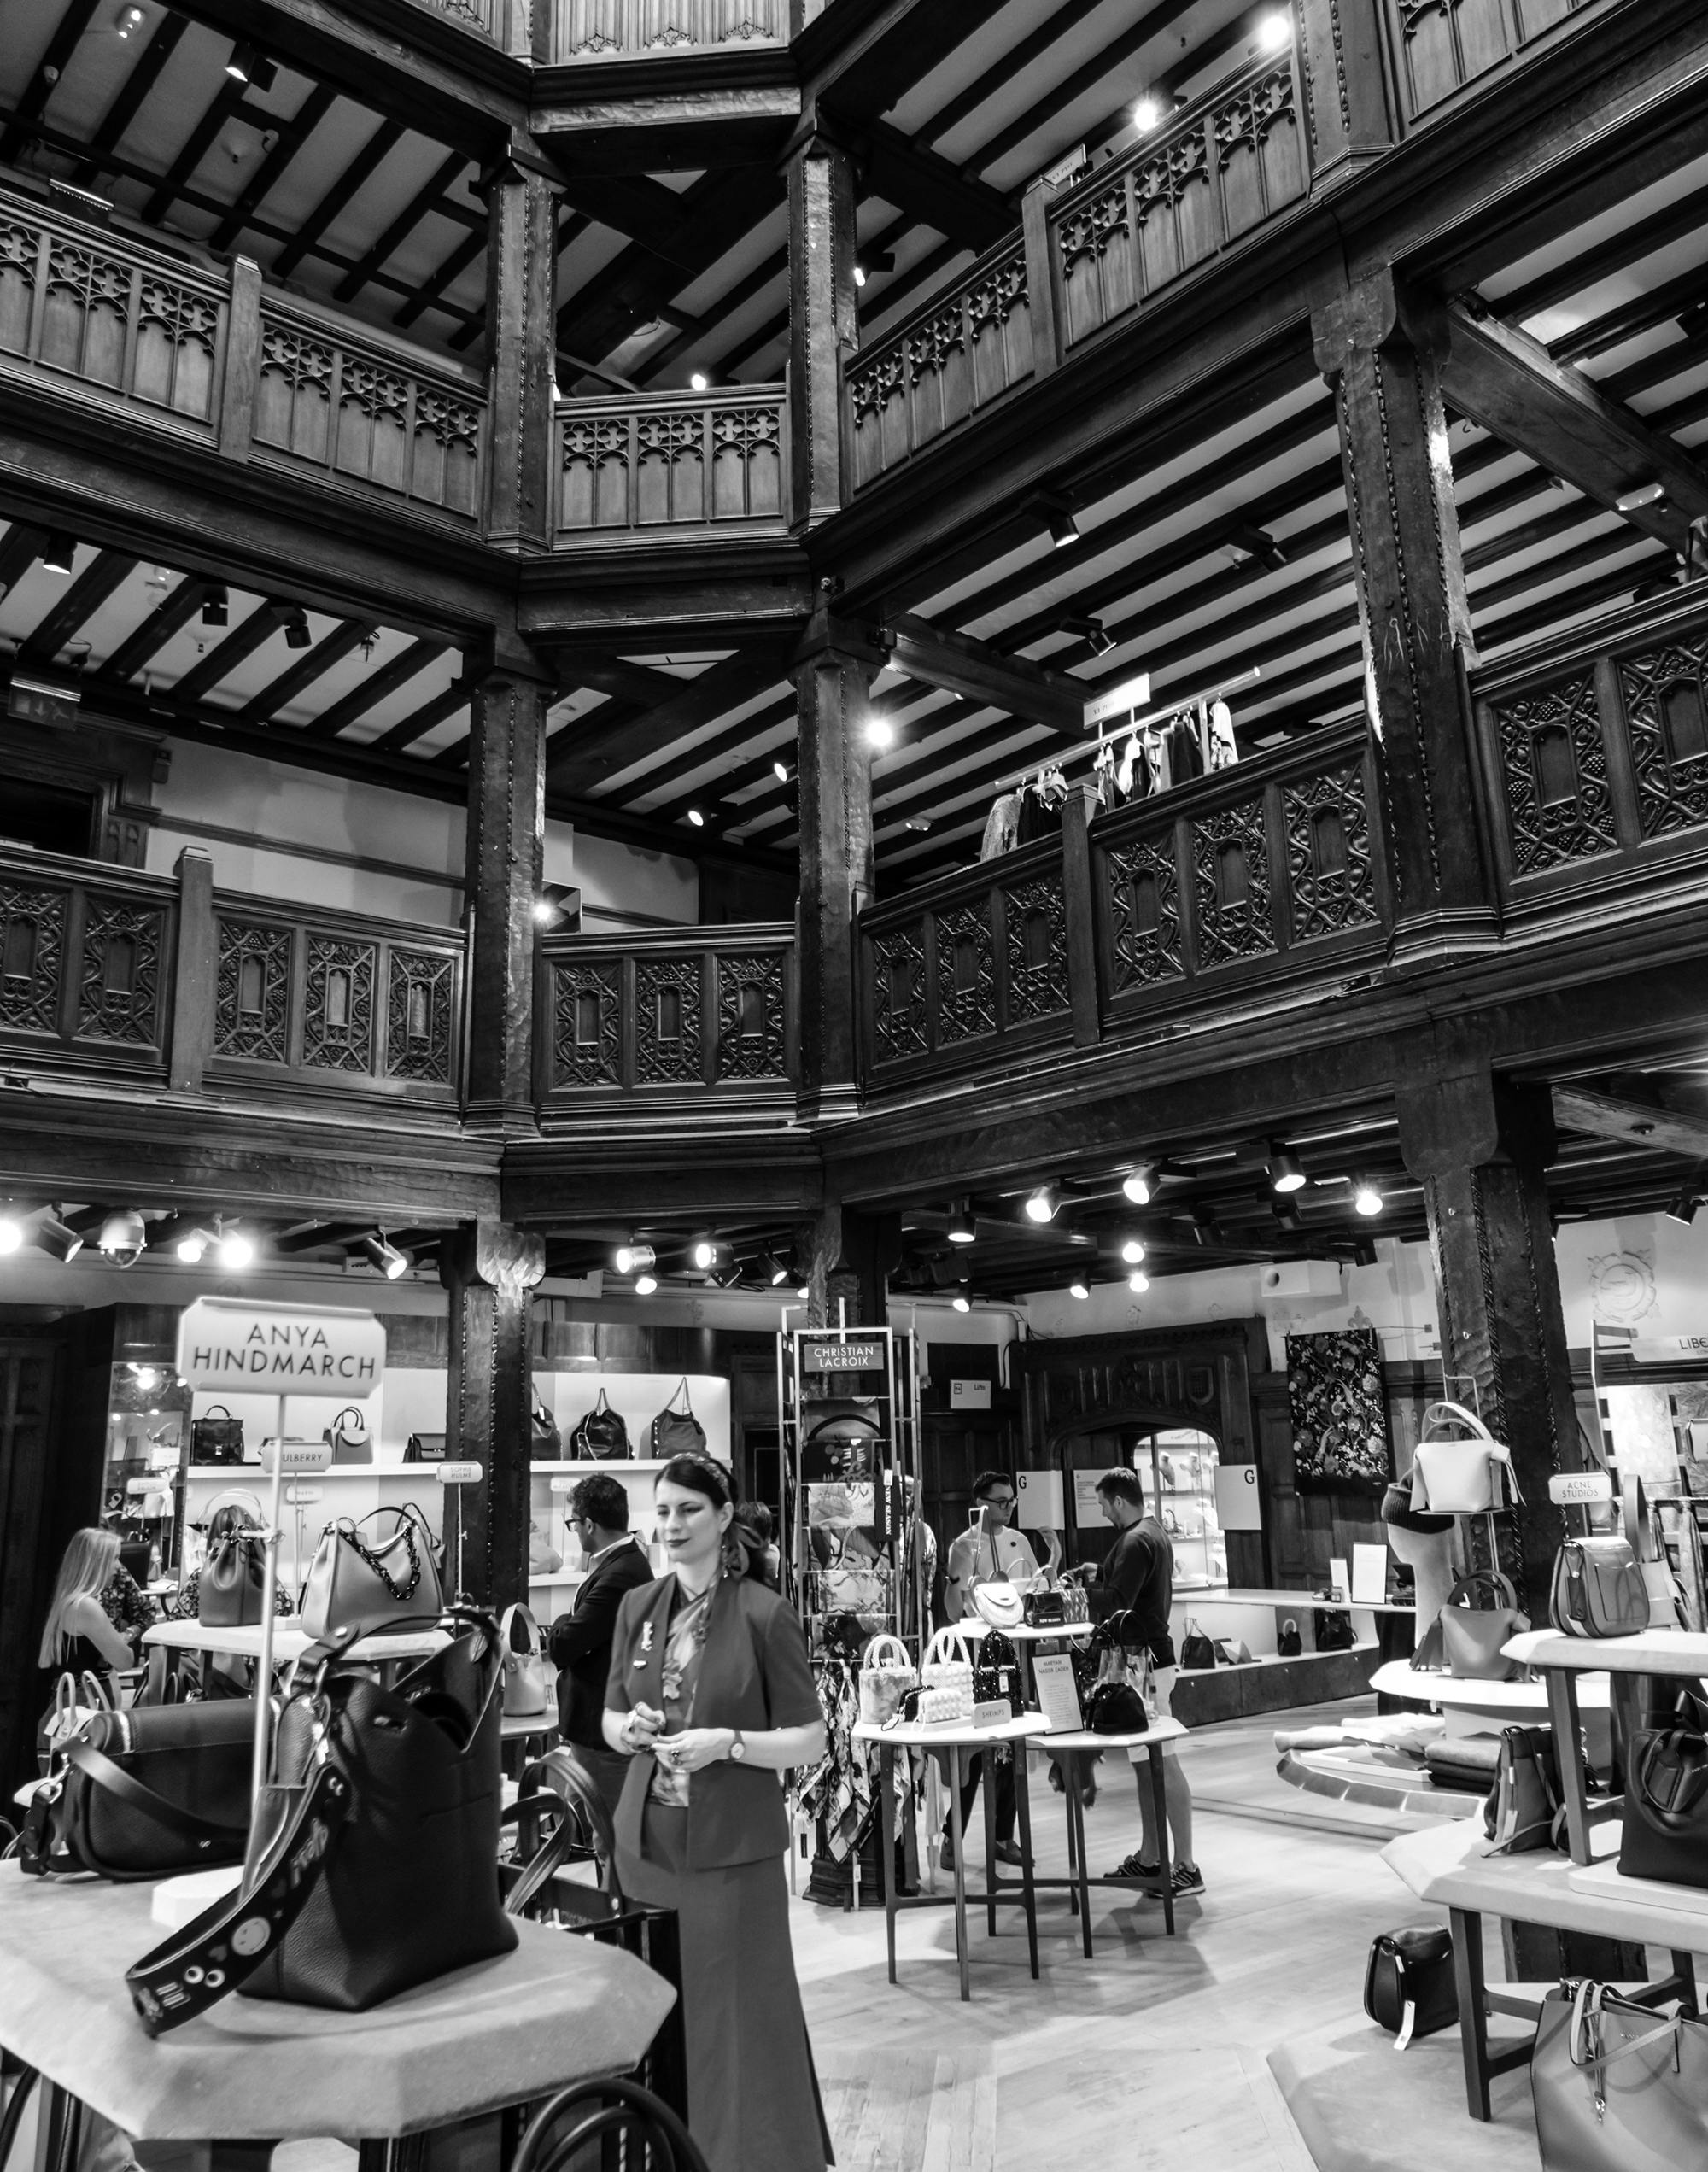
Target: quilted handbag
[[678, 1432], [1472, 1635], [544, 1439], [598, 1433], [947, 1667], [1617, 2088], [1408, 1986], [528, 1676], [231, 1583], [1452, 1476], [1598, 1589], [362, 1585], [349, 1437], [218, 1437]]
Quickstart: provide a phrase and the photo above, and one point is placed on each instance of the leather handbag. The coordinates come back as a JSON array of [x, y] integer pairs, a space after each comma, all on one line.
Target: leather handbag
[[377, 1846], [1598, 1589], [145, 1792], [678, 1432], [425, 1448], [598, 1433], [1408, 1986], [1331, 1626], [1289, 1642], [1045, 1609], [1195, 1648], [77, 1699], [364, 1585], [1455, 1477], [999, 1605], [1617, 2088], [218, 1437], [231, 1583], [349, 1437], [544, 1439], [1472, 1635], [1665, 1820], [528, 1676], [1525, 1810]]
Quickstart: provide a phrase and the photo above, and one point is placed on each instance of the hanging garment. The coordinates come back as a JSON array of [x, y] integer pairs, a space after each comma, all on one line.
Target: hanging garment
[[1185, 755], [1132, 765], [1224, 749], [1110, 792], [1040, 816], [1002, 827], [1155, 747]]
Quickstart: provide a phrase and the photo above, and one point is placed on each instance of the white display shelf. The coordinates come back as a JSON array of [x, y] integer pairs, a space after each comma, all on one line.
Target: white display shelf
[[1654, 1651]]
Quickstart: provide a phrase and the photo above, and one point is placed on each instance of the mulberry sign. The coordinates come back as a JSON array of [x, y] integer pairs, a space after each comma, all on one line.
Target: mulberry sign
[[232, 1345]]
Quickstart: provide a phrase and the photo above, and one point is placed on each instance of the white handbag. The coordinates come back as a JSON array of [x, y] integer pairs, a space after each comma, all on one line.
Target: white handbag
[[885, 1672], [1001, 1606], [528, 1676], [1453, 1476], [947, 1668]]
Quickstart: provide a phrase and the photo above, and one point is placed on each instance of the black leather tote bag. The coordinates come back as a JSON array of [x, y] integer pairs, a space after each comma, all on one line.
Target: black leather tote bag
[[1665, 1831], [146, 1792]]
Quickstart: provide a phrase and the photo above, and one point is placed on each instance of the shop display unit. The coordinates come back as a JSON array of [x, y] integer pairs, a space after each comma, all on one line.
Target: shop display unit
[[1183, 1477]]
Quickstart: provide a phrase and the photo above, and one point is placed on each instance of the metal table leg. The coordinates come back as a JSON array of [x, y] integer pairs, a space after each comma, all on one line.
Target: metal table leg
[[1080, 1893], [958, 1825], [1028, 1891], [1165, 1856], [987, 1795], [886, 1861]]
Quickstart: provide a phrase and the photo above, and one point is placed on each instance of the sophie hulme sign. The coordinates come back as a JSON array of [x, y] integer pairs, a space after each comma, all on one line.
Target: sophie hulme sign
[[241, 1348]]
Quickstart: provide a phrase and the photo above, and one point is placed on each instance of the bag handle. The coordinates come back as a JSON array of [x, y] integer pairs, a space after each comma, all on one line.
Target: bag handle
[[233, 1493], [602, 1407], [681, 1390], [1586, 2021], [515, 1612], [887, 1649], [1634, 1513], [1441, 1412], [1500, 1584], [351, 1410], [216, 1410], [950, 1644]]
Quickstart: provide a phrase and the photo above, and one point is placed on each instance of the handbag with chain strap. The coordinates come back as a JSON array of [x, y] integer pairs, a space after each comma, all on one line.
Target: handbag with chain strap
[[362, 1585]]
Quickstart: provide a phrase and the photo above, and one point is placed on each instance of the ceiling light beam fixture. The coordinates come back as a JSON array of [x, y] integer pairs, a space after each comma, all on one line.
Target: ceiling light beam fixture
[[51, 1236], [59, 553], [236, 1250], [634, 1259], [1139, 1184], [1132, 1251], [1041, 1205], [962, 1224], [1285, 1173], [1367, 1197], [704, 1253], [1645, 494], [385, 1258], [248, 64], [191, 1245], [1682, 1207], [1078, 1287], [216, 605], [296, 629], [963, 1299], [1138, 1281]]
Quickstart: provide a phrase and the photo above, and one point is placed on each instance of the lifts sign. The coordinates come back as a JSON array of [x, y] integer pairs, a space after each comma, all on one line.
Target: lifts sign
[[252, 1349]]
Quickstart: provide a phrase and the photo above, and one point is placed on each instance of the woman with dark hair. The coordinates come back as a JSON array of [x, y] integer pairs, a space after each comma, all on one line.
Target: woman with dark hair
[[710, 1698]]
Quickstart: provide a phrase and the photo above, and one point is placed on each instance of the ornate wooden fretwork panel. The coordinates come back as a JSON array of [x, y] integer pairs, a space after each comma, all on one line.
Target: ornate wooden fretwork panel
[[1444, 44], [252, 1001], [1328, 861], [119, 998], [594, 30], [421, 993], [1145, 913], [667, 1021], [32, 957], [1231, 873], [337, 1005], [587, 1024], [1666, 713], [1559, 805], [752, 1039], [898, 994], [672, 461], [965, 973], [1036, 916]]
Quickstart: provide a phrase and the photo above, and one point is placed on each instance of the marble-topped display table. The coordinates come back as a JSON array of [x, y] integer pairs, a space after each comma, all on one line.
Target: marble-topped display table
[[250, 2073]]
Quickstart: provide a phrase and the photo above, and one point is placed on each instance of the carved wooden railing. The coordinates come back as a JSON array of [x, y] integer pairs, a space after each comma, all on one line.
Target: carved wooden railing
[[1217, 169], [681, 461], [938, 368], [1439, 46], [1594, 749], [627, 30], [672, 1014], [358, 413], [87, 961], [487, 18]]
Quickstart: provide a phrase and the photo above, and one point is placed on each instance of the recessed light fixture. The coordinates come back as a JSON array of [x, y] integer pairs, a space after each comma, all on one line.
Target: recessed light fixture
[[634, 1259], [1138, 1281], [1132, 1251], [59, 553], [1040, 1206], [1367, 1199], [1077, 1287], [1285, 1174], [385, 1256]]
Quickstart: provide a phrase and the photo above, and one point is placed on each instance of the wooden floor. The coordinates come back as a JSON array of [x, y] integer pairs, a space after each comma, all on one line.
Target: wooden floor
[[1158, 2055]]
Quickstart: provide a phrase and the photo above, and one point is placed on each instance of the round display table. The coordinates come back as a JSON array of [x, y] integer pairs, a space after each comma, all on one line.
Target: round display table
[[1152, 1742]]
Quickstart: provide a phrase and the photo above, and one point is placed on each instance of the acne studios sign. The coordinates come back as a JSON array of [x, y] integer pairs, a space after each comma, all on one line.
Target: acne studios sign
[[246, 1348]]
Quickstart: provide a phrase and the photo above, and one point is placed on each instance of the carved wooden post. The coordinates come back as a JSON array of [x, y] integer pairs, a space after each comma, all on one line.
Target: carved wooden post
[[844, 1257], [195, 973], [1480, 1149], [243, 361], [1346, 88], [1080, 913], [832, 669], [506, 824], [1040, 282], [823, 322], [489, 1267], [1413, 609], [521, 299]]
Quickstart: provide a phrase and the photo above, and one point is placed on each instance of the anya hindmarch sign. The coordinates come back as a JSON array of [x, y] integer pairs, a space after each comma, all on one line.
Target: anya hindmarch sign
[[246, 1348]]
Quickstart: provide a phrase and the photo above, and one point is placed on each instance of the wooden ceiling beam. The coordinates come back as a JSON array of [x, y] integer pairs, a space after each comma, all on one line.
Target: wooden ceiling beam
[[406, 664], [293, 134], [431, 292], [930, 190], [959, 664], [1008, 70], [56, 57], [332, 648], [429, 196], [427, 717], [99, 580], [605, 672], [127, 102], [196, 146], [224, 658], [1678, 221], [600, 752], [379, 146], [170, 617], [866, 55], [1649, 1125], [1088, 76], [19, 552]]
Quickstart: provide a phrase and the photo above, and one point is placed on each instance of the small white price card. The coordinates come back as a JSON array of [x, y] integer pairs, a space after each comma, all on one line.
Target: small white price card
[[1058, 1696], [458, 1474]]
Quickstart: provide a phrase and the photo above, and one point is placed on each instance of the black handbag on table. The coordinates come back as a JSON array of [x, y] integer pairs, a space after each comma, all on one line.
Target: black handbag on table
[[996, 1672], [1196, 1650], [1045, 1609], [426, 1447], [1332, 1627], [1666, 1829], [231, 1585], [145, 1792], [1116, 1708], [216, 1438], [1290, 1644], [1408, 1979], [678, 1432], [377, 1861], [598, 1433]]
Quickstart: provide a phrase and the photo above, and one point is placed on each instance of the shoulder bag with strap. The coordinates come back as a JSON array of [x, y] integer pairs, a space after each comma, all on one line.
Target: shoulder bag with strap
[[1455, 1476], [76, 1702], [678, 1432], [1617, 2088], [218, 1437], [1472, 1634], [349, 1437], [231, 1585], [144, 1793], [544, 1439], [598, 1433], [528, 1676], [361, 1583]]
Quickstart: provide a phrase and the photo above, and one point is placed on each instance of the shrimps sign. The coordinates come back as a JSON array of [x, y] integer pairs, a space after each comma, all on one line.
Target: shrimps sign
[[234, 1346]]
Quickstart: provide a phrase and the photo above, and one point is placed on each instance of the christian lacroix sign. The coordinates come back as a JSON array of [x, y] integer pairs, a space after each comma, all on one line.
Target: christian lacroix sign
[[244, 1348]]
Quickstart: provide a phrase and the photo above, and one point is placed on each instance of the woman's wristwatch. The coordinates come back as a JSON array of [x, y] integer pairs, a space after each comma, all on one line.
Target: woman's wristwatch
[[737, 1746]]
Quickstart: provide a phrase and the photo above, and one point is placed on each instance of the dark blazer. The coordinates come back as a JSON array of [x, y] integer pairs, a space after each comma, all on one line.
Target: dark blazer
[[753, 1675], [580, 1643]]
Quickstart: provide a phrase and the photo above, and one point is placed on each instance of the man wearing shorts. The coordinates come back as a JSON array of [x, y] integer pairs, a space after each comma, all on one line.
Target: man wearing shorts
[[1138, 1573]]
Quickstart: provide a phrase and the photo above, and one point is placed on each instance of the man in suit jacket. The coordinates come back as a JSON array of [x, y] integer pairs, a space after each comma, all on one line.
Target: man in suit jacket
[[580, 1640]]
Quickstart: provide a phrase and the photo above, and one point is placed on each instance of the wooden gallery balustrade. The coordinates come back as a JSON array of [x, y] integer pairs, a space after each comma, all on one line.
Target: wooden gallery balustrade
[[1264, 877], [692, 464]]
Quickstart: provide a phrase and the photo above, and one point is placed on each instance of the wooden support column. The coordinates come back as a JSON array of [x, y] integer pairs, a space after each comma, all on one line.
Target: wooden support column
[[845, 1258], [506, 824], [1480, 1149], [195, 971], [489, 1268], [1078, 812], [1040, 278], [1347, 89], [243, 361], [833, 670], [1381, 359], [521, 304], [823, 325]]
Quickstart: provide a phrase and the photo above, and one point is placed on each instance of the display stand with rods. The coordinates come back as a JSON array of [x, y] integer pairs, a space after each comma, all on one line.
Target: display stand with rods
[[280, 1458]]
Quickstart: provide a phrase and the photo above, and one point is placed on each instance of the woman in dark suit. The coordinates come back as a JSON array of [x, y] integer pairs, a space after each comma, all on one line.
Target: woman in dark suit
[[710, 1698]]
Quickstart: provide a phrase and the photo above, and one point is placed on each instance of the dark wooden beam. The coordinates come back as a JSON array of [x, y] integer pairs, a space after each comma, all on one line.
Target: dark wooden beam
[[170, 617], [194, 147], [331, 649], [106, 572], [19, 552], [224, 658], [865, 54], [607, 673], [929, 189], [597, 754], [1088, 76], [981, 673], [1007, 70], [445, 703], [429, 197], [67, 36], [378, 147], [1649, 1125], [431, 292], [293, 134], [406, 664], [128, 102]]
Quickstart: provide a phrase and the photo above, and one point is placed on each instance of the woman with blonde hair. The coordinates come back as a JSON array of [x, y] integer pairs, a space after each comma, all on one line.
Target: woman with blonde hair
[[77, 1634]]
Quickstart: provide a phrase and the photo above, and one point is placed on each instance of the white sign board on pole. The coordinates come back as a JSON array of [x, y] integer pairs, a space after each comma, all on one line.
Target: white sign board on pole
[[1131, 693], [1238, 1504], [1038, 1493], [237, 1346]]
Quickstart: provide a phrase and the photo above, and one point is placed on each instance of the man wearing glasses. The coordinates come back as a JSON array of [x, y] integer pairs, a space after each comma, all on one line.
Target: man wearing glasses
[[579, 1640], [987, 1552]]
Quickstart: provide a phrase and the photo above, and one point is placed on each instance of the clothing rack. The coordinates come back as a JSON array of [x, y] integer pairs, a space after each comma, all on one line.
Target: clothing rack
[[1199, 702]]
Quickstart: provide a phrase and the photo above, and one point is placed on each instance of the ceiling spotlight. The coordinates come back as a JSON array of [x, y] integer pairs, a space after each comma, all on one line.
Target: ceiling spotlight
[[249, 64], [1366, 1198], [1285, 1173], [1062, 526], [11, 1231], [728, 1278], [859, 275], [1040, 1205], [1646, 494], [1138, 1281], [1077, 1287], [1274, 32], [1132, 1251], [124, 1238], [1146, 113], [634, 1259], [53, 1237], [696, 817], [237, 1251], [880, 731], [961, 1229], [780, 769], [1139, 1184], [1287, 1216], [385, 1258], [774, 1270], [59, 553], [963, 1299], [1683, 1208], [700, 381], [645, 1285], [130, 19], [216, 606], [705, 1255], [296, 633], [192, 1246], [804, 1293]]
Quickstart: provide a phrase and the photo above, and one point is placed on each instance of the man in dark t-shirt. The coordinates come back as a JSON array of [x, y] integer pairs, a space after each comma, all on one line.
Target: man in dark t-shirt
[[1138, 1574]]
